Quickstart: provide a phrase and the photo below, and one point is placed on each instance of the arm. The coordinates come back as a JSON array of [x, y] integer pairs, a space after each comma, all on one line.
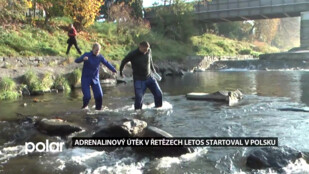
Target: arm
[[107, 64], [80, 59], [151, 62], [124, 61]]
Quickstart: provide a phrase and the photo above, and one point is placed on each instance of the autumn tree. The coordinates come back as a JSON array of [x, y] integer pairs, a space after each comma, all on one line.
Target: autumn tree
[[126, 22], [12, 10], [83, 12], [288, 35], [266, 30], [136, 7], [52, 8]]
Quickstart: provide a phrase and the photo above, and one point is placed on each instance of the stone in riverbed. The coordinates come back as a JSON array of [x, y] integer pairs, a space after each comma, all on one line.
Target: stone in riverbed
[[134, 128], [276, 157], [56, 127], [25, 91], [125, 128], [231, 97]]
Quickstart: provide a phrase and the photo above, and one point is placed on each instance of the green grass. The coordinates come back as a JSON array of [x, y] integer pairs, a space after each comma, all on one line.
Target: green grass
[[8, 89], [32, 81], [209, 44], [32, 41]]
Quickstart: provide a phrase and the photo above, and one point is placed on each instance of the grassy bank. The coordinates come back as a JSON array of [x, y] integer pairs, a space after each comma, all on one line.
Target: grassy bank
[[26, 40], [209, 44]]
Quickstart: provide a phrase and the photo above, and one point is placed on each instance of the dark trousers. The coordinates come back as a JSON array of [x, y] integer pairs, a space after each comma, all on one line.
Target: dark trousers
[[72, 41], [97, 92], [140, 87]]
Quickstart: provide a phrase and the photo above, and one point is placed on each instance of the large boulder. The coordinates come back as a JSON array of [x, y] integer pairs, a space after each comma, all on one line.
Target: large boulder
[[134, 128], [274, 157], [56, 127], [155, 132], [230, 97], [105, 73], [124, 128]]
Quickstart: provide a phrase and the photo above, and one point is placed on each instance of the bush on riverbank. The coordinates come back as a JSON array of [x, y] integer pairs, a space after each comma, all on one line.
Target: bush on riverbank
[[8, 89], [32, 81], [61, 83], [74, 78]]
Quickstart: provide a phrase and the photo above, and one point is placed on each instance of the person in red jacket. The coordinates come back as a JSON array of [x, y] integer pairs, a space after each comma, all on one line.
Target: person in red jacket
[[72, 39]]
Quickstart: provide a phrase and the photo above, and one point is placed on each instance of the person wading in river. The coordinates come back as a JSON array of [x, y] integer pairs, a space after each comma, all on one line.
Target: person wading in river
[[72, 39], [90, 75], [143, 69]]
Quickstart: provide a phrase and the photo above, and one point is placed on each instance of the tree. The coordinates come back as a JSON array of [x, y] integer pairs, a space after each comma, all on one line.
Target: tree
[[235, 30], [288, 35], [52, 8], [126, 22], [83, 12], [266, 30], [175, 20], [135, 5], [12, 10]]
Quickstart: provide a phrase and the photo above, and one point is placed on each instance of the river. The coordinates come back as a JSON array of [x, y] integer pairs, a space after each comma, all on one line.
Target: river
[[257, 115]]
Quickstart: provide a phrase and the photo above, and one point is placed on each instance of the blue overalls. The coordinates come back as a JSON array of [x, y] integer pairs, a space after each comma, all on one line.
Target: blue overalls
[[140, 87], [90, 77]]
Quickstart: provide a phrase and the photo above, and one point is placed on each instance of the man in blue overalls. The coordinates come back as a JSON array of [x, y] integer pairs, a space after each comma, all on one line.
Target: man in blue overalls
[[90, 75], [142, 65]]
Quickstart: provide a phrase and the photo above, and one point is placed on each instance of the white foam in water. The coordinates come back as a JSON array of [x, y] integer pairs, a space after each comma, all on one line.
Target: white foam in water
[[121, 167], [11, 152], [166, 106], [299, 166], [79, 155], [166, 162], [101, 162]]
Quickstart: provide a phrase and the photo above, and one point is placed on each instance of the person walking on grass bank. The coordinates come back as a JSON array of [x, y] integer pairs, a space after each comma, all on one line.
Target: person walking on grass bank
[[72, 39], [90, 75], [143, 72]]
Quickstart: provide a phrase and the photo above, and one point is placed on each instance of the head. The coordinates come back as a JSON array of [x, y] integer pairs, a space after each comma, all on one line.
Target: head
[[96, 49], [71, 26], [144, 47]]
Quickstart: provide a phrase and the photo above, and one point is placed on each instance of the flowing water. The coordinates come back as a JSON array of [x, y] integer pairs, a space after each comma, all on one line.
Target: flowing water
[[257, 115]]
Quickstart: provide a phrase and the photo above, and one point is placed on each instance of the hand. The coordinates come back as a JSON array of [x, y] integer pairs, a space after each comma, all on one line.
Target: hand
[[85, 58]]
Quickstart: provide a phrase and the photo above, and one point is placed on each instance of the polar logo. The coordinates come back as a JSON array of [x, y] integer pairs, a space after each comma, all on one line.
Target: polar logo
[[41, 147]]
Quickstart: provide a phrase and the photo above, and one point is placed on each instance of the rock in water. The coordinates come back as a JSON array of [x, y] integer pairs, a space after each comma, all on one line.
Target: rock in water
[[125, 128], [155, 132], [134, 128], [276, 158], [294, 109], [230, 97], [56, 127]]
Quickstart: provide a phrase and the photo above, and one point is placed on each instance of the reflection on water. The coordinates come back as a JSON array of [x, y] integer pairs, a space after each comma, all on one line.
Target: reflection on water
[[257, 115]]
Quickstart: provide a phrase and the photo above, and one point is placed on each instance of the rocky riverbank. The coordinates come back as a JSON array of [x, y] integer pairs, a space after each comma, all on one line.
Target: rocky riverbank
[[16, 67], [30, 73]]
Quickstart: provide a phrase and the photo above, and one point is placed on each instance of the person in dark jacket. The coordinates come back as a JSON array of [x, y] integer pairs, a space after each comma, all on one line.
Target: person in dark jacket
[[90, 75], [72, 39], [143, 69]]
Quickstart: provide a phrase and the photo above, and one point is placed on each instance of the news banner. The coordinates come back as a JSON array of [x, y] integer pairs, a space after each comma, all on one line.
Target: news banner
[[174, 142]]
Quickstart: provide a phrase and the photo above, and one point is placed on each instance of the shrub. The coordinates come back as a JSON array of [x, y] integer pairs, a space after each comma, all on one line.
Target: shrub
[[74, 78], [62, 81], [245, 52], [8, 89]]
